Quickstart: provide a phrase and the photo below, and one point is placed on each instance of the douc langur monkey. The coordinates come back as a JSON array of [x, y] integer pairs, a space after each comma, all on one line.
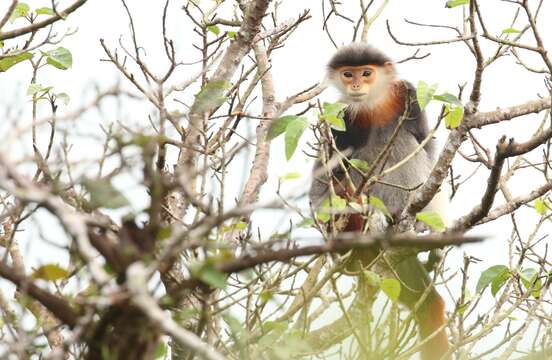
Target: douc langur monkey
[[377, 101]]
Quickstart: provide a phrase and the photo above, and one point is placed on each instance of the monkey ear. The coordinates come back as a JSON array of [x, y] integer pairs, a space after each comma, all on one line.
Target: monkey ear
[[389, 67]]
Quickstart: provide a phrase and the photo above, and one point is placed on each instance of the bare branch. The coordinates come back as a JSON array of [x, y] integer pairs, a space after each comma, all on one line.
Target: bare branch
[[39, 25], [55, 304], [137, 285], [492, 117]]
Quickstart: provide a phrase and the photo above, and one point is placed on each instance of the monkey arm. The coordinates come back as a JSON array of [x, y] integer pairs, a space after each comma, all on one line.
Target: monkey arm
[[319, 186], [416, 122]]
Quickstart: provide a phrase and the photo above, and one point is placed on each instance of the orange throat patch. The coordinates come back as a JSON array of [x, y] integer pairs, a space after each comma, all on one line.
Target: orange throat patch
[[383, 112]]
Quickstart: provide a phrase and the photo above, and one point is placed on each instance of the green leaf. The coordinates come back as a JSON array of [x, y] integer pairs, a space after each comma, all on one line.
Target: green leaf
[[10, 61], [529, 279], [1, 44], [454, 116], [499, 281], [467, 301], [161, 351], [214, 29], [323, 216], [372, 278], [266, 295], [330, 205], [278, 126], [391, 288], [290, 176], [273, 331], [306, 223], [60, 58], [528, 276], [209, 275], [33, 89], [294, 130], [274, 326], [510, 31], [50, 272], [231, 34], [210, 96], [424, 93], [334, 202], [359, 164], [378, 204], [541, 206], [237, 226], [21, 10], [163, 233], [236, 328], [44, 11], [108, 269], [455, 3], [64, 98], [336, 122], [336, 108], [333, 113], [37, 91], [185, 314], [487, 277], [104, 195], [431, 219], [448, 98], [213, 277]]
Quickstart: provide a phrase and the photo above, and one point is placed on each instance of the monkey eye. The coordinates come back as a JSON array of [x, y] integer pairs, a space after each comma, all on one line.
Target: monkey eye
[[366, 73], [348, 74]]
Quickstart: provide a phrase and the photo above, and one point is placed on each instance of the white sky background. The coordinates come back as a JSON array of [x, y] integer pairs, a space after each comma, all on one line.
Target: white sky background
[[298, 65]]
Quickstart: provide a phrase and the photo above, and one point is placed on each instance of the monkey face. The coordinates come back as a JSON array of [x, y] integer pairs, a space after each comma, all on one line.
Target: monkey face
[[357, 80], [362, 84]]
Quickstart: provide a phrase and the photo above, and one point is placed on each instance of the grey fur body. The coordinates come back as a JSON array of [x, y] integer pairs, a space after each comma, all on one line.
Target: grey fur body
[[367, 143]]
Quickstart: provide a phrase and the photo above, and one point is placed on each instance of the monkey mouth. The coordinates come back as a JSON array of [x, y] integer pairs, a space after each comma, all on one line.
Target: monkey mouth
[[356, 97]]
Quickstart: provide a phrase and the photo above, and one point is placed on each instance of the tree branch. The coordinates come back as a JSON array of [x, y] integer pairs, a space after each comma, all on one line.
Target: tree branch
[[39, 25], [55, 304], [342, 243], [479, 211], [137, 285], [481, 119]]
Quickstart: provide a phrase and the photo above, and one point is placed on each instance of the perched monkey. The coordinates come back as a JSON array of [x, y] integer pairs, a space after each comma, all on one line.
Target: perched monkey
[[377, 101]]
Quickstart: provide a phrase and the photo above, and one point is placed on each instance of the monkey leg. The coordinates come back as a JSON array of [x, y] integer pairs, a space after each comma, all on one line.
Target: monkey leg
[[360, 258], [429, 312]]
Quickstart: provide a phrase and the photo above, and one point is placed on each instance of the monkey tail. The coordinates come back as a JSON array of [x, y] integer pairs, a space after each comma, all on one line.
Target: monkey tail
[[431, 321], [430, 313]]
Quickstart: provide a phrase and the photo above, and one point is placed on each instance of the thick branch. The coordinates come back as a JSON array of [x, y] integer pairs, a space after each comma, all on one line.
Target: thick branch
[[478, 212], [237, 50], [475, 95], [8, 13], [341, 244], [258, 174], [492, 117], [425, 193]]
